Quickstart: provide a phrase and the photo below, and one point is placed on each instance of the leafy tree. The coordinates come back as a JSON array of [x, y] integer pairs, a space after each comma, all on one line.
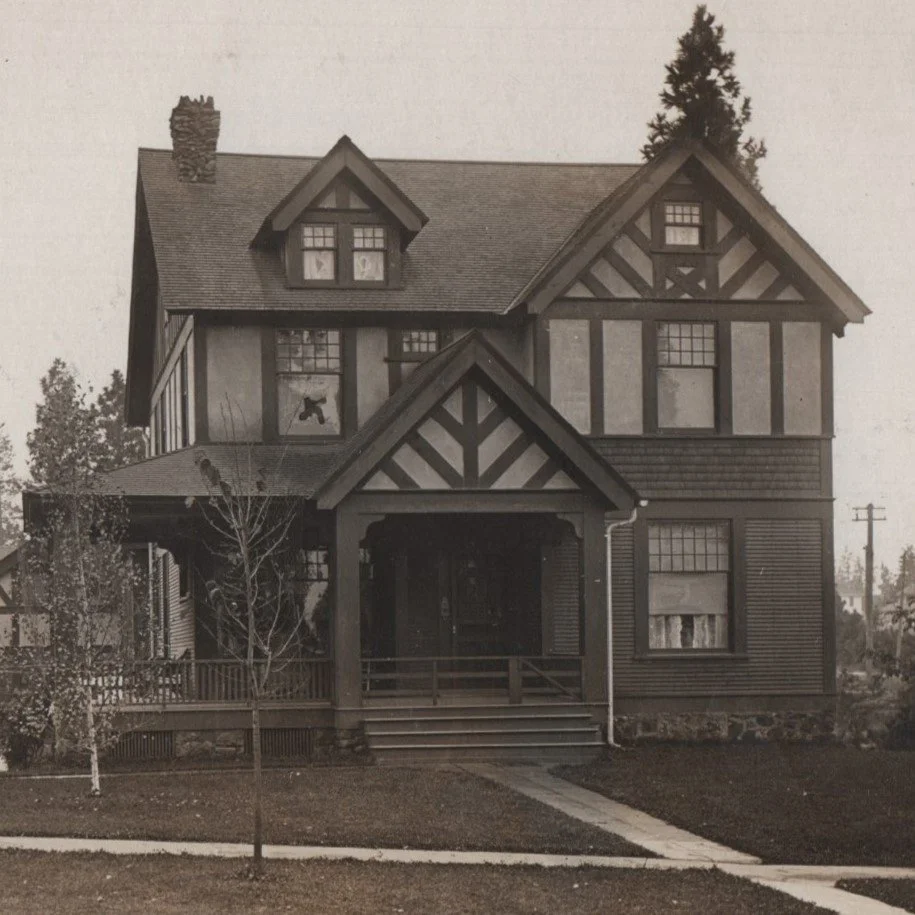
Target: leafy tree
[[78, 571], [702, 99], [252, 593], [10, 497], [119, 443]]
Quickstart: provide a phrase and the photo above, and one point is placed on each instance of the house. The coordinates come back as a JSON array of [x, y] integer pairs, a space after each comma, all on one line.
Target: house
[[514, 401], [21, 624]]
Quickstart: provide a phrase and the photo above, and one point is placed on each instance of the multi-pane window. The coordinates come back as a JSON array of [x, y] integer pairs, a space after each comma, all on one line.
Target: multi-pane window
[[309, 366], [311, 588], [319, 253], [688, 585], [369, 244], [417, 344], [687, 357], [683, 224]]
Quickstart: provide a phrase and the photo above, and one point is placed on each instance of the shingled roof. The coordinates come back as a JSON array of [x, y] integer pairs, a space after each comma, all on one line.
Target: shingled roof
[[491, 226]]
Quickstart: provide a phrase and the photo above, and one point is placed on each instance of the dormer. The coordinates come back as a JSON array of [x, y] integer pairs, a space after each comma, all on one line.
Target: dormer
[[344, 225]]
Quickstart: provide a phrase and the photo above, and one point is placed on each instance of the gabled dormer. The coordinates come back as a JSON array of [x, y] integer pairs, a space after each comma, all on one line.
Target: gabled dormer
[[344, 225]]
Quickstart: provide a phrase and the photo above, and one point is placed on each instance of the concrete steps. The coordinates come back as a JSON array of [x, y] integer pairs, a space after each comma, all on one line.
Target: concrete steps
[[506, 733]]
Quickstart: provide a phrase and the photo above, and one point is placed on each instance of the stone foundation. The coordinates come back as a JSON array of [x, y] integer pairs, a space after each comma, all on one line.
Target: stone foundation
[[209, 744], [725, 727]]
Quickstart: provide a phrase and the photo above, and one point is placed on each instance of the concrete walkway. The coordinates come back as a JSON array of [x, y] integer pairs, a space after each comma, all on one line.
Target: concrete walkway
[[810, 884], [650, 833]]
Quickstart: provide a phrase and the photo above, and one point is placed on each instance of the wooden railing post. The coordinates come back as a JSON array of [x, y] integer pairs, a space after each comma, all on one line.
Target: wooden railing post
[[514, 681]]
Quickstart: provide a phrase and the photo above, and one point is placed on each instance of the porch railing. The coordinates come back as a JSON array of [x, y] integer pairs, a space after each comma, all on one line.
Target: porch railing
[[187, 682], [518, 677]]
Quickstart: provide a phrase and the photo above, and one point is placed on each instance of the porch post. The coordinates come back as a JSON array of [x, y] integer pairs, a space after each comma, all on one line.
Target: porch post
[[594, 591], [346, 641]]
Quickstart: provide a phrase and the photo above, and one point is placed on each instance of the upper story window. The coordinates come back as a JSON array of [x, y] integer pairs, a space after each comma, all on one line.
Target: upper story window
[[418, 344], [682, 224], [309, 371], [689, 585], [687, 361], [342, 250], [319, 253], [369, 249]]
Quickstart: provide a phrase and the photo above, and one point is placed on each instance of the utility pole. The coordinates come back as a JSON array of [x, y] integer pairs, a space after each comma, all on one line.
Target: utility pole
[[869, 510]]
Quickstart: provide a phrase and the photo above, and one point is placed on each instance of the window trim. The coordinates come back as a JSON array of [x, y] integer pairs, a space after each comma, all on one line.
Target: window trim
[[737, 631], [682, 195], [346, 374], [718, 374]]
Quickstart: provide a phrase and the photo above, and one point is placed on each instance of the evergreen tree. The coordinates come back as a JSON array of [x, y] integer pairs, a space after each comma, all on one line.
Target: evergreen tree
[[702, 99], [119, 443]]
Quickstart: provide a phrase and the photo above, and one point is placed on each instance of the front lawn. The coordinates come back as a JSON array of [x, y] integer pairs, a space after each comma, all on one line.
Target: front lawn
[[67, 884], [393, 808], [786, 803]]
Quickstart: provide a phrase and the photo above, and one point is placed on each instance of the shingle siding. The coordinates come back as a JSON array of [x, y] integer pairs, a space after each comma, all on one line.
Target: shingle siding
[[725, 468]]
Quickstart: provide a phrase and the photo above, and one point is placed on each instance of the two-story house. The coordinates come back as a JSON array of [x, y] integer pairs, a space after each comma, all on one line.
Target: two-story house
[[516, 401]]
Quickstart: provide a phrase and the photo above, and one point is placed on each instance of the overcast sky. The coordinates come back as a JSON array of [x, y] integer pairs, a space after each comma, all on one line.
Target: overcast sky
[[83, 84]]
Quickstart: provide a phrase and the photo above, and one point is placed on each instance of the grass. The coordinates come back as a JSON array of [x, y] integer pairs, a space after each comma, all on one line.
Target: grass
[[392, 808], [785, 803], [35, 882], [900, 893]]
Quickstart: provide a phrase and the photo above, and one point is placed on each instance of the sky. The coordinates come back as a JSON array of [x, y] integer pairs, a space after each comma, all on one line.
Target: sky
[[84, 84]]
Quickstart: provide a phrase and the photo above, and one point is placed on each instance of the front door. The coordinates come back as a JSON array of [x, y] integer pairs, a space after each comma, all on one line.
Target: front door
[[479, 611]]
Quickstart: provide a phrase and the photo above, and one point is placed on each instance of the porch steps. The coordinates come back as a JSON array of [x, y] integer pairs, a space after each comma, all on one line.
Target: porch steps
[[508, 733]]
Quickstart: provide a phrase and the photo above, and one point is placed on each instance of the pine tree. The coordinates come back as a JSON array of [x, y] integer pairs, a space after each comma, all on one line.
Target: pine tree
[[702, 99], [119, 443]]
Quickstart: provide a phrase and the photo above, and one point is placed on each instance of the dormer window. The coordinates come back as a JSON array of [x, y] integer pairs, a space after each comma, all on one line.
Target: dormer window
[[319, 253], [369, 247], [682, 224]]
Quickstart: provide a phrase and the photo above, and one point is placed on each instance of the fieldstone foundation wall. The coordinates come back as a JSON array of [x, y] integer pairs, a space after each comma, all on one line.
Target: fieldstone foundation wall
[[220, 744], [724, 727]]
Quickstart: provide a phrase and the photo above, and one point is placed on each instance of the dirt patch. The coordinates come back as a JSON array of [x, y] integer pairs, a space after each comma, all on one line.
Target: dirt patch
[[900, 893]]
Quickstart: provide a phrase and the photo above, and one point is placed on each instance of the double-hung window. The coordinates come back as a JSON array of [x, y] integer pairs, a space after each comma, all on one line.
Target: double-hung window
[[682, 224], [311, 588], [689, 586], [309, 371], [687, 361], [319, 253], [369, 246]]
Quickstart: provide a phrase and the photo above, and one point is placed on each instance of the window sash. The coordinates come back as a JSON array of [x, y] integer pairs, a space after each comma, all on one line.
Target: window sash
[[418, 344], [309, 351]]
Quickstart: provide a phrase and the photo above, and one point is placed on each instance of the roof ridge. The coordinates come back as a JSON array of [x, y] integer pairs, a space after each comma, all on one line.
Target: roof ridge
[[424, 161]]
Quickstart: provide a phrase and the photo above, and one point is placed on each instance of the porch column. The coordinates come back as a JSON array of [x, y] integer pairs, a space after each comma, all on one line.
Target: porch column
[[594, 593], [346, 644]]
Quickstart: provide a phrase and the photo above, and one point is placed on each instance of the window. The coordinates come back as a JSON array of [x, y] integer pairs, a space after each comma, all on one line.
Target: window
[[309, 367], [185, 411], [683, 224], [319, 253], [311, 588], [688, 585], [687, 356], [418, 344], [369, 246]]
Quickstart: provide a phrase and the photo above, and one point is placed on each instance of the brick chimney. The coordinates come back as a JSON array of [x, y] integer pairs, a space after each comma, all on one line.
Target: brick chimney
[[195, 129]]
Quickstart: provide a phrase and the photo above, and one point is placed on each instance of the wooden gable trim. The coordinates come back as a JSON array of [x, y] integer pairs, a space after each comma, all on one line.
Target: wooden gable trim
[[622, 206], [787, 239], [345, 157], [473, 352]]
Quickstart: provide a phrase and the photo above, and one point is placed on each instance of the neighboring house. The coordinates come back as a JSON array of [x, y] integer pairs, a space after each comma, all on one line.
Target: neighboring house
[[21, 626], [476, 376]]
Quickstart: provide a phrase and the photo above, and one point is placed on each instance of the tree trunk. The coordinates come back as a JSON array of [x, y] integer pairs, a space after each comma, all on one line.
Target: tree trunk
[[258, 778], [96, 789]]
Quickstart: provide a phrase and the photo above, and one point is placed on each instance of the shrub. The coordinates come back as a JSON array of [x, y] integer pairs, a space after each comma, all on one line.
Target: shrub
[[25, 722]]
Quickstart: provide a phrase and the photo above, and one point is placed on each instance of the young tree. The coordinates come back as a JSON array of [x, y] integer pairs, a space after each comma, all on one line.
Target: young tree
[[78, 571], [252, 593], [702, 99]]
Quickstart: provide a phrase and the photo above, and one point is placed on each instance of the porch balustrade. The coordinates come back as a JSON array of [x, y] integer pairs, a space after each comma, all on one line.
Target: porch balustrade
[[517, 677], [189, 682]]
